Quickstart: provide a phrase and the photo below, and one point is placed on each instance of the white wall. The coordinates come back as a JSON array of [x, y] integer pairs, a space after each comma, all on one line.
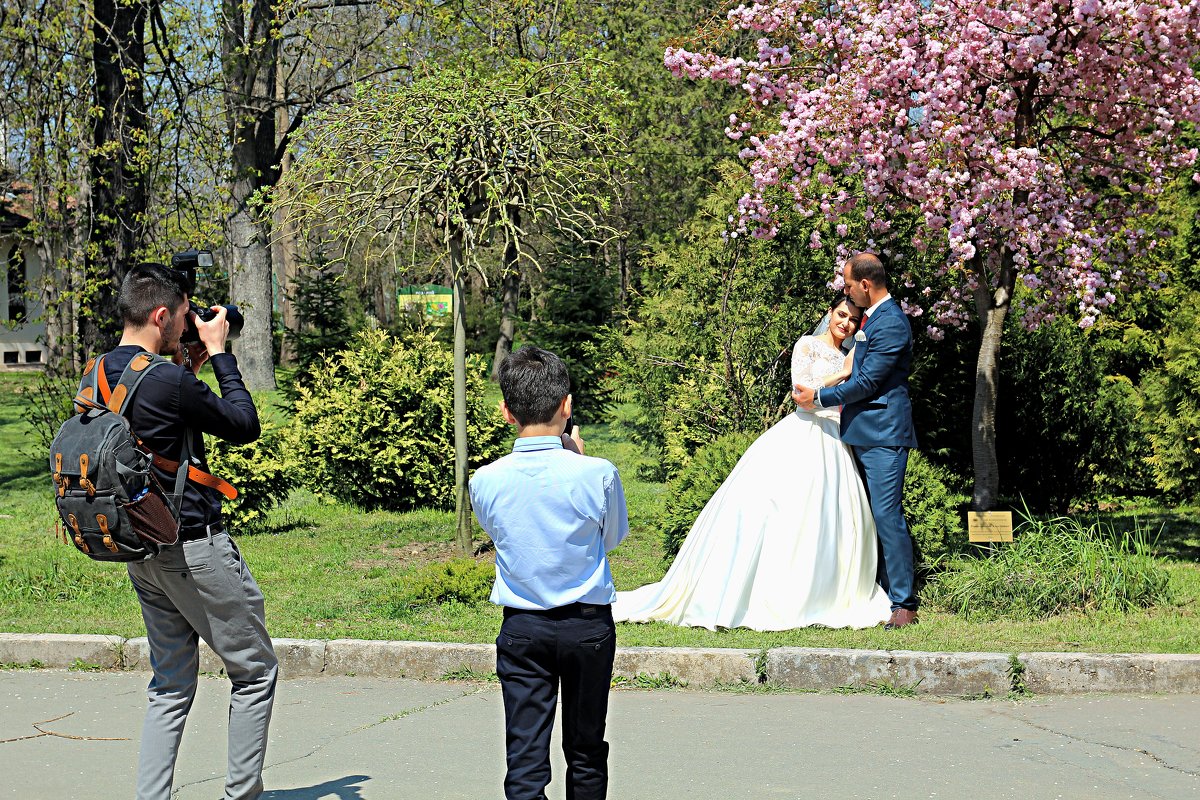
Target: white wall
[[21, 346]]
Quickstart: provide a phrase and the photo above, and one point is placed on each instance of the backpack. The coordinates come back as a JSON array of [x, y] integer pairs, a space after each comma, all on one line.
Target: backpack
[[112, 505]]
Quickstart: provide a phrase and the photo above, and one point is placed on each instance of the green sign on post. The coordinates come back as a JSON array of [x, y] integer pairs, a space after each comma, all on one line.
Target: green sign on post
[[430, 299]]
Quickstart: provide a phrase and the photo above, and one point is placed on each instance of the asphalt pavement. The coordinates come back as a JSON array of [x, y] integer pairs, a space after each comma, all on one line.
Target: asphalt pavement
[[360, 738]]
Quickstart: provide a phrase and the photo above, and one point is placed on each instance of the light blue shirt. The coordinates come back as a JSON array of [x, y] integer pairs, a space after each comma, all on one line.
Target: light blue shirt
[[553, 515]]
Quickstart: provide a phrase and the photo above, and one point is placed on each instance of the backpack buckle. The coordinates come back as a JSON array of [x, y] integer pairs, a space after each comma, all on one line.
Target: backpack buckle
[[83, 478]]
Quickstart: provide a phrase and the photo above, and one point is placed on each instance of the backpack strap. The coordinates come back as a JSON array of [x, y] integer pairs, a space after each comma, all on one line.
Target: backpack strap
[[89, 394], [118, 400]]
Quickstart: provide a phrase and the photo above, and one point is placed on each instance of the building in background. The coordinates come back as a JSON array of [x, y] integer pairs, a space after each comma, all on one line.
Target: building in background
[[22, 331]]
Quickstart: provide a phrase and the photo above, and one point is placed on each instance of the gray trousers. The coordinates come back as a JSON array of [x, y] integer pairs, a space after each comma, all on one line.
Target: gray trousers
[[204, 590]]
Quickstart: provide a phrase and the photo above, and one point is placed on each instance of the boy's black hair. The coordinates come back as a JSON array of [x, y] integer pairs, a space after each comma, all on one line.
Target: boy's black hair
[[534, 382], [148, 286]]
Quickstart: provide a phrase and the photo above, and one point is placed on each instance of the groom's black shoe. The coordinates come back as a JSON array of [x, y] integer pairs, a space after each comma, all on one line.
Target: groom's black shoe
[[900, 618]]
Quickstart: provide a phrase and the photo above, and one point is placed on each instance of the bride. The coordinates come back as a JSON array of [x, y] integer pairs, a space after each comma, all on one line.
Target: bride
[[788, 540]]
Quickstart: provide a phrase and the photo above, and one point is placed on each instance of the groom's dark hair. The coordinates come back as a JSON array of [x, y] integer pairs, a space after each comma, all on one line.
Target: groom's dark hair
[[868, 266], [534, 382]]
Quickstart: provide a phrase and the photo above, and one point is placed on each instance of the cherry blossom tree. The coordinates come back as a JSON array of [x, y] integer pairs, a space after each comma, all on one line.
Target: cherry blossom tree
[[1028, 139]]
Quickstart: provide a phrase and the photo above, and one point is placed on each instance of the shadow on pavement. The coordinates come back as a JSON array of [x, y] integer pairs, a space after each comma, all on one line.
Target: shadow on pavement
[[339, 789]]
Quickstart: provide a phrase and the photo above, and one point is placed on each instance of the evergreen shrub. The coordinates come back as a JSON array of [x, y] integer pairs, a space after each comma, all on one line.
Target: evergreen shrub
[[934, 506], [322, 326], [261, 472], [1172, 401], [461, 580], [376, 425], [692, 487], [577, 300], [1053, 567]]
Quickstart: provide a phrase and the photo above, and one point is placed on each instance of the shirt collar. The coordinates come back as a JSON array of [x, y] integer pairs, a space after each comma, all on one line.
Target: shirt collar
[[875, 307], [530, 443]]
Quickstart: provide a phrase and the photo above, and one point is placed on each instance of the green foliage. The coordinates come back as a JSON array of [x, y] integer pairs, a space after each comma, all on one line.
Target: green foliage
[[319, 302], [1073, 404], [578, 298], [48, 403], [261, 472], [1172, 400], [459, 152], [460, 580], [934, 506], [644, 680], [376, 427], [708, 349], [692, 487], [1053, 567]]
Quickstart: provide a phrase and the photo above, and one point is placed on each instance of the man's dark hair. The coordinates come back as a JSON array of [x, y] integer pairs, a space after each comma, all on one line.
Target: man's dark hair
[[148, 286], [868, 266], [534, 382]]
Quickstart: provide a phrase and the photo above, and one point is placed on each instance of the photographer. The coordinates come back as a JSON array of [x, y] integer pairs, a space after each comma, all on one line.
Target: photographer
[[199, 588]]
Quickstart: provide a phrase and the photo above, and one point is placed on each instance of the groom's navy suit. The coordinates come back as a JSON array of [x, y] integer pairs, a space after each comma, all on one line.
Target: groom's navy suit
[[877, 424]]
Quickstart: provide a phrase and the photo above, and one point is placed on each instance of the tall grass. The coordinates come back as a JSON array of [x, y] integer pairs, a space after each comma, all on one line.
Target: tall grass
[[1055, 566]]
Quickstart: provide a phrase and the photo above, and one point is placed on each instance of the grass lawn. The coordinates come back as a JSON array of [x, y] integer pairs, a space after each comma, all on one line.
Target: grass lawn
[[331, 571]]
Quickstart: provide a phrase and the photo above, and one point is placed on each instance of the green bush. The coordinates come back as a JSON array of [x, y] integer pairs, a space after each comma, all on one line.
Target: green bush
[[260, 471], [319, 303], [1088, 430], [577, 298], [934, 507], [688, 491], [1053, 567], [462, 580], [706, 351], [1172, 401], [376, 426], [50, 402]]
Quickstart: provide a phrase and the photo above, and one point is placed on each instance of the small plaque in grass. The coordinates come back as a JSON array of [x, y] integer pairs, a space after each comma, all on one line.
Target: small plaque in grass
[[990, 526]]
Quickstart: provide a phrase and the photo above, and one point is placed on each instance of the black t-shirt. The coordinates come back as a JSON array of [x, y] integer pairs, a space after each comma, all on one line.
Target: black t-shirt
[[169, 400]]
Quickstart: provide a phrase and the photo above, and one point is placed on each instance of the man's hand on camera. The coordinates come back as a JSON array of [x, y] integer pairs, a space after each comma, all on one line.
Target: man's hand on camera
[[214, 332], [193, 356]]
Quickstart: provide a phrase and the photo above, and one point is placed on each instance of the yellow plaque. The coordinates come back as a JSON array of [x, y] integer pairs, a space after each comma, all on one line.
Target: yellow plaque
[[990, 526]]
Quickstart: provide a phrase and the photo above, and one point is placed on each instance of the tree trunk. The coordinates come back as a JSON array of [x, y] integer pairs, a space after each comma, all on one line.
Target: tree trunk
[[992, 306], [249, 54], [510, 292], [118, 183], [983, 419], [250, 289], [462, 500], [284, 258]]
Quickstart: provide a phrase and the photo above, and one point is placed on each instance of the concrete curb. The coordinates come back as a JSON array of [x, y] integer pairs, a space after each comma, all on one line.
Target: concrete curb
[[946, 674]]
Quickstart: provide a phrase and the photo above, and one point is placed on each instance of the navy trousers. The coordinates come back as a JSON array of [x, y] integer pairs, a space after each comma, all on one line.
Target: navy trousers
[[537, 653], [883, 473]]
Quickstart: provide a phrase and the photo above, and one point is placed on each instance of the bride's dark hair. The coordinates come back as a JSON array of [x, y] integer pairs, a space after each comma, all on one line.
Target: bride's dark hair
[[842, 297]]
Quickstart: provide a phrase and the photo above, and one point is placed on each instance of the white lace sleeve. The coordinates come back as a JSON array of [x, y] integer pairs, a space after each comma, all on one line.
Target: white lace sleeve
[[808, 369]]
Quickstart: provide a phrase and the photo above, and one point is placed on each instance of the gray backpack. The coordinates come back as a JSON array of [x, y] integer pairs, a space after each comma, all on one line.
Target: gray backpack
[[112, 506]]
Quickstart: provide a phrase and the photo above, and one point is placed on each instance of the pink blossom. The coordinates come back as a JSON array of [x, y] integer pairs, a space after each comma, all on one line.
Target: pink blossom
[[920, 102]]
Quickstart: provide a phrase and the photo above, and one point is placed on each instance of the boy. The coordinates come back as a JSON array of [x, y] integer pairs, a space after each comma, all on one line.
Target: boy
[[553, 515]]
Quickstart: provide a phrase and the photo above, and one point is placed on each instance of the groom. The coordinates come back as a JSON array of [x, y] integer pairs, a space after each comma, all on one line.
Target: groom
[[877, 422]]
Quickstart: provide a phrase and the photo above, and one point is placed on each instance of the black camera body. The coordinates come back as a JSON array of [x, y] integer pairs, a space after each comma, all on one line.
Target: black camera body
[[189, 263]]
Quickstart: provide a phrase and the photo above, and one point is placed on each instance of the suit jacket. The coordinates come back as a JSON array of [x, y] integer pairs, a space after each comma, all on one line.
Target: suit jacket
[[876, 409]]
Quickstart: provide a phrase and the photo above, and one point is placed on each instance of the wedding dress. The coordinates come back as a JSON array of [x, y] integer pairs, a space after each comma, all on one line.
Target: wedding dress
[[787, 541]]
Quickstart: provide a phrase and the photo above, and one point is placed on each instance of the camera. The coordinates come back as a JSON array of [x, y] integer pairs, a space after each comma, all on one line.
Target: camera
[[189, 263]]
